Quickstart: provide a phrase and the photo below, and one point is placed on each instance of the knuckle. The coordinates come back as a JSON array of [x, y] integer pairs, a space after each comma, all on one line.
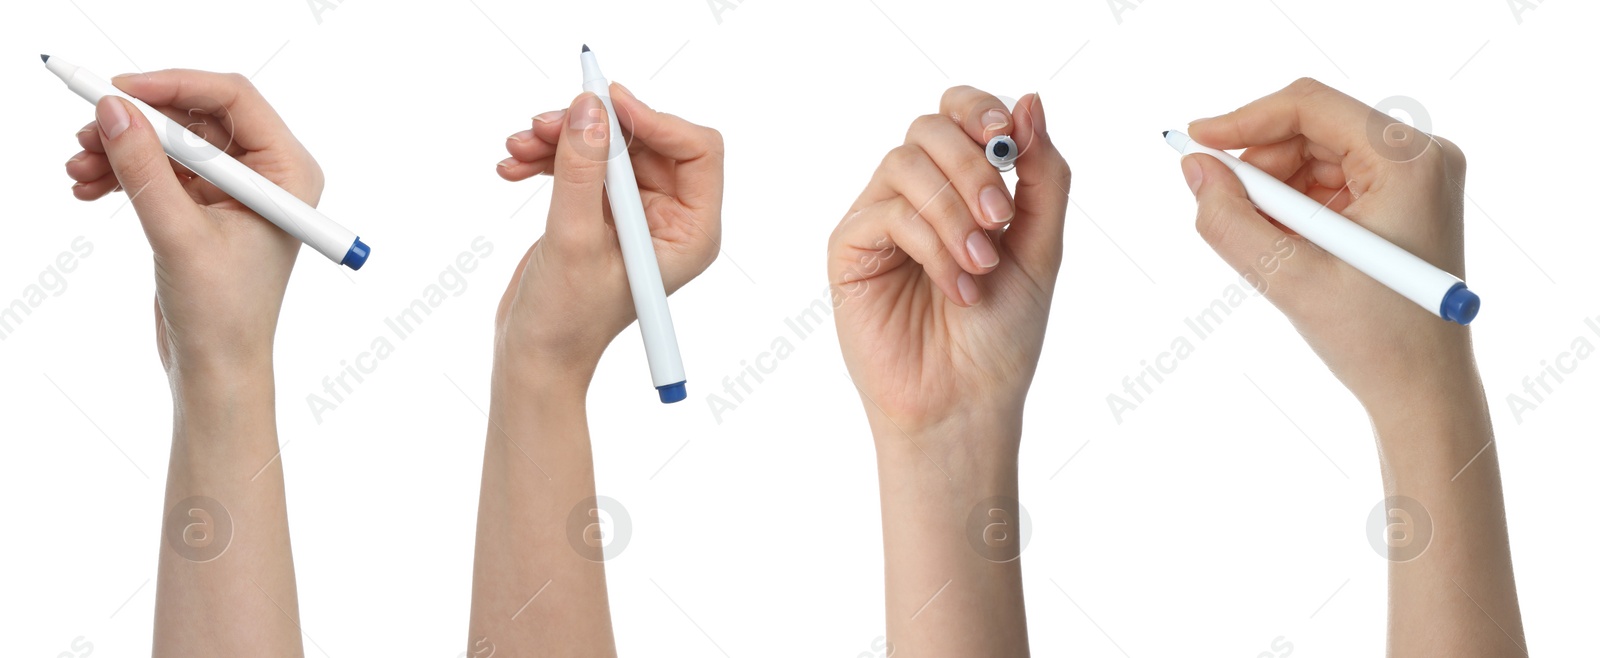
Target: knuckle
[[239, 81], [902, 157], [714, 140], [948, 211], [976, 171], [1450, 152], [1307, 86], [954, 93], [1212, 223], [923, 124]]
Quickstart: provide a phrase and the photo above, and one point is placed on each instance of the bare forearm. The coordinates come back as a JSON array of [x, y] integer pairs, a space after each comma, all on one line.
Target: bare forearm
[[538, 576], [951, 534], [225, 581], [1451, 589]]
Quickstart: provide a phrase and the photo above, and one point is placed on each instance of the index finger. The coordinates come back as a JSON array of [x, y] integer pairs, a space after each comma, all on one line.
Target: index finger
[[697, 149], [1325, 115], [228, 96], [978, 112]]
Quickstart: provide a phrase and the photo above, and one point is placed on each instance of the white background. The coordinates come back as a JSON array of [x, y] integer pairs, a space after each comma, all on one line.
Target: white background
[[1207, 522]]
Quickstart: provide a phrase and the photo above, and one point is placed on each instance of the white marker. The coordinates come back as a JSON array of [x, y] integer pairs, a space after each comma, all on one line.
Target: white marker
[[1415, 279], [638, 252], [242, 183]]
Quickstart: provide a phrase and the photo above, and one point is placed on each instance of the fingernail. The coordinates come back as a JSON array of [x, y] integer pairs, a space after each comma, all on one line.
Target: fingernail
[[508, 163], [1192, 174], [625, 90], [968, 289], [85, 130], [996, 205], [521, 136], [76, 158], [588, 117], [982, 250], [112, 115], [1038, 115], [996, 120], [550, 117]]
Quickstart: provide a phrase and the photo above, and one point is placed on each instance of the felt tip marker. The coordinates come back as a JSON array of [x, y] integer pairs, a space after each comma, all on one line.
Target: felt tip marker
[[638, 251], [1403, 272], [287, 211]]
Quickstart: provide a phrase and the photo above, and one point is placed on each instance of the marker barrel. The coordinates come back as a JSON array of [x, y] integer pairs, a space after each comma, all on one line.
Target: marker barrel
[[638, 250], [1414, 278], [285, 210]]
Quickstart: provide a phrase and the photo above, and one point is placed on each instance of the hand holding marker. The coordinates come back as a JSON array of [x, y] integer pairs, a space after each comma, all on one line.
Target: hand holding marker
[[273, 203], [1403, 272], [638, 250]]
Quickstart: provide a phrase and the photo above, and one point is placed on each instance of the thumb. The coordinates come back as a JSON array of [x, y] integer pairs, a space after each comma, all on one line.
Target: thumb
[[1264, 255], [1043, 180], [576, 199], [164, 207]]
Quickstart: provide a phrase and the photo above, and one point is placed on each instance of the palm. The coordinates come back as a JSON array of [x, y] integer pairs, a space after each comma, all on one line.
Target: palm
[[913, 351], [188, 285]]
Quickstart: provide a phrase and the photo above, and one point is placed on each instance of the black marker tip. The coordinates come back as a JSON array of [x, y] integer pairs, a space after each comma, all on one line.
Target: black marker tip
[[44, 58], [586, 47], [1164, 133]]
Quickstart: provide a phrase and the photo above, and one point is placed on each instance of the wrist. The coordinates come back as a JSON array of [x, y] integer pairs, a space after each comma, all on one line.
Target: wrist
[[1437, 436], [540, 381], [237, 379], [971, 447]]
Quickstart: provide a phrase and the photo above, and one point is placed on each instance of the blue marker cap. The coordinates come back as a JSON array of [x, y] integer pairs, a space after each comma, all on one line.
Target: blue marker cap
[[673, 392], [1460, 305], [357, 256]]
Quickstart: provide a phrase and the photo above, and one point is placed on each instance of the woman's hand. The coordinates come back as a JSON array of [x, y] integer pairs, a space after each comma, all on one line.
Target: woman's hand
[[569, 296], [221, 269], [1395, 180], [942, 279]]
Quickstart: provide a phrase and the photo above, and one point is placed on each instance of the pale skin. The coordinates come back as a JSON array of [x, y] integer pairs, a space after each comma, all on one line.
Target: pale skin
[[221, 271], [1413, 372], [537, 590], [943, 281]]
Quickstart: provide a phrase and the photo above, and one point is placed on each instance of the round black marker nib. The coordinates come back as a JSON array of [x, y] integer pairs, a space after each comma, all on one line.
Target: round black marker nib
[[44, 58], [586, 47], [1164, 133]]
